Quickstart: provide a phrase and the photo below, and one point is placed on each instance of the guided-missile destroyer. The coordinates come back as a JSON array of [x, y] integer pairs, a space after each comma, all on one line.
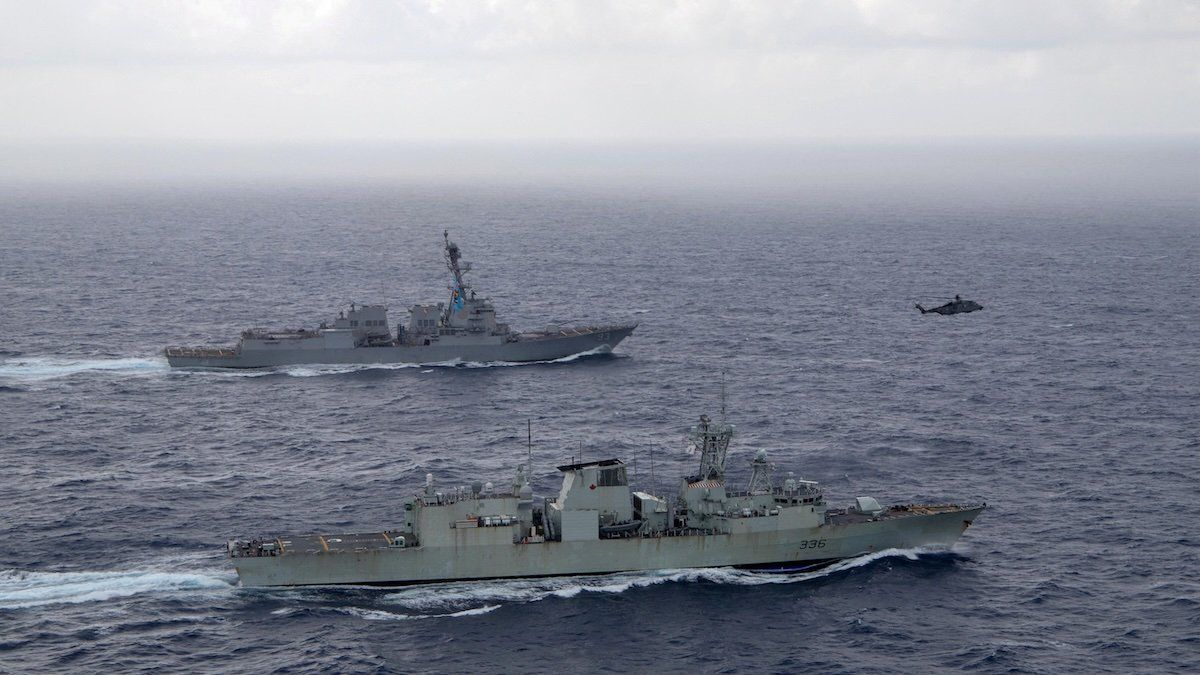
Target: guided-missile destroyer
[[596, 524], [464, 329]]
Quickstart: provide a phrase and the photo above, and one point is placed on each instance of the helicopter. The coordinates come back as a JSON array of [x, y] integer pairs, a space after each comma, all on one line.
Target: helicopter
[[955, 306]]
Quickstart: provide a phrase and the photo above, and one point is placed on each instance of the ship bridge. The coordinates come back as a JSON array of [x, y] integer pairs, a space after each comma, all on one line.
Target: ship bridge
[[594, 496]]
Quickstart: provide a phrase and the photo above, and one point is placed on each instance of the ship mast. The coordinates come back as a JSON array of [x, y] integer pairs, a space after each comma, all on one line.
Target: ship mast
[[458, 290], [712, 440]]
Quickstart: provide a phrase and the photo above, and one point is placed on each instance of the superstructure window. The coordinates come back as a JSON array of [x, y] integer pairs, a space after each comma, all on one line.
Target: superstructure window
[[612, 477]]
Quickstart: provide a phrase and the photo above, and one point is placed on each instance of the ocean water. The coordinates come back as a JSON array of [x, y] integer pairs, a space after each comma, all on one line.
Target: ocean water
[[1070, 404]]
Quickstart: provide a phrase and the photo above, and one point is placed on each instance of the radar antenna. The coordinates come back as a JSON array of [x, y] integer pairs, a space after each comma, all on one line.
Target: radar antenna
[[762, 481]]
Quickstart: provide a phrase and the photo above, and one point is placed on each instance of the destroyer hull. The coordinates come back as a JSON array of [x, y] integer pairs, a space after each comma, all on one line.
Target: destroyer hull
[[546, 348], [780, 549]]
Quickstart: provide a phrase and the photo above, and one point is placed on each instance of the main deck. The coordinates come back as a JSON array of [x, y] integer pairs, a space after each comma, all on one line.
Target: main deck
[[851, 517], [201, 352], [312, 544]]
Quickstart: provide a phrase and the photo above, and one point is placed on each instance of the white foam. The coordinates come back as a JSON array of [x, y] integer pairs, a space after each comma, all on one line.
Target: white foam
[[306, 370], [319, 369], [426, 598], [459, 363], [19, 589], [381, 615], [45, 368], [476, 611]]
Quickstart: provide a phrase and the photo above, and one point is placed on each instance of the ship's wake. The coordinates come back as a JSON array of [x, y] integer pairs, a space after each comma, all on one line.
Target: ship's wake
[[319, 369], [23, 589], [383, 615], [475, 598], [48, 368], [460, 599], [28, 589], [458, 363], [34, 369]]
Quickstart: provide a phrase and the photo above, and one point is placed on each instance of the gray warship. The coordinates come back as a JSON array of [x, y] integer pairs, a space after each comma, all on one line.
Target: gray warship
[[463, 329], [597, 524]]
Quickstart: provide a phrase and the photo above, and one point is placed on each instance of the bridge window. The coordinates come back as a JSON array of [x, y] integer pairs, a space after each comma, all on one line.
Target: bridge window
[[612, 477]]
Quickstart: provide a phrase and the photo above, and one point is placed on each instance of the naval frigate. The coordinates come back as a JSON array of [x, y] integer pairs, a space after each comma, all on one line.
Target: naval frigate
[[596, 524], [463, 329]]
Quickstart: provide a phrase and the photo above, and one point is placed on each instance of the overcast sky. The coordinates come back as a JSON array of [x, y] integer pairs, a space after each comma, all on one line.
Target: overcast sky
[[327, 70]]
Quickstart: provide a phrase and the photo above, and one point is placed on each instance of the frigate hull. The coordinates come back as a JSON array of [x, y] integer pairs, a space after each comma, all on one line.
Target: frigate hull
[[490, 553], [284, 352]]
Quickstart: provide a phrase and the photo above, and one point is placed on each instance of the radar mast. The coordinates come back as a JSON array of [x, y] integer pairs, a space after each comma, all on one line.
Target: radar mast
[[712, 440], [457, 267]]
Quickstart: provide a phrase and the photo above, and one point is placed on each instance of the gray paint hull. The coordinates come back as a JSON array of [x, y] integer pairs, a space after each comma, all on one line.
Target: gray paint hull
[[784, 548], [523, 350]]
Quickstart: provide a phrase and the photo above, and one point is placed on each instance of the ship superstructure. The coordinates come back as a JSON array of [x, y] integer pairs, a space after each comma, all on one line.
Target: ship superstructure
[[598, 524], [464, 328]]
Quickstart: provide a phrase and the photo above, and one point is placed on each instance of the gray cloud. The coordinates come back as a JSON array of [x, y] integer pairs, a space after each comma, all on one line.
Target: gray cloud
[[328, 69]]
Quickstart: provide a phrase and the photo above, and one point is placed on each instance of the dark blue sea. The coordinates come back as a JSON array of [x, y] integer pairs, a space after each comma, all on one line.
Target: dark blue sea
[[1070, 404]]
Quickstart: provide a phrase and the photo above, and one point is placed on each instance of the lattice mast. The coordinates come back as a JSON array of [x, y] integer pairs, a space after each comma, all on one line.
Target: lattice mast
[[457, 267], [762, 475], [712, 440]]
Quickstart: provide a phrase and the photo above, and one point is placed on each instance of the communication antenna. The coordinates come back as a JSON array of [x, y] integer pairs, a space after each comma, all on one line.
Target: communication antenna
[[529, 448], [653, 481], [722, 397]]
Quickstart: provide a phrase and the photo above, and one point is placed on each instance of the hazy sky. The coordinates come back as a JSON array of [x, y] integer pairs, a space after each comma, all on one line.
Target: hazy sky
[[322, 70]]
